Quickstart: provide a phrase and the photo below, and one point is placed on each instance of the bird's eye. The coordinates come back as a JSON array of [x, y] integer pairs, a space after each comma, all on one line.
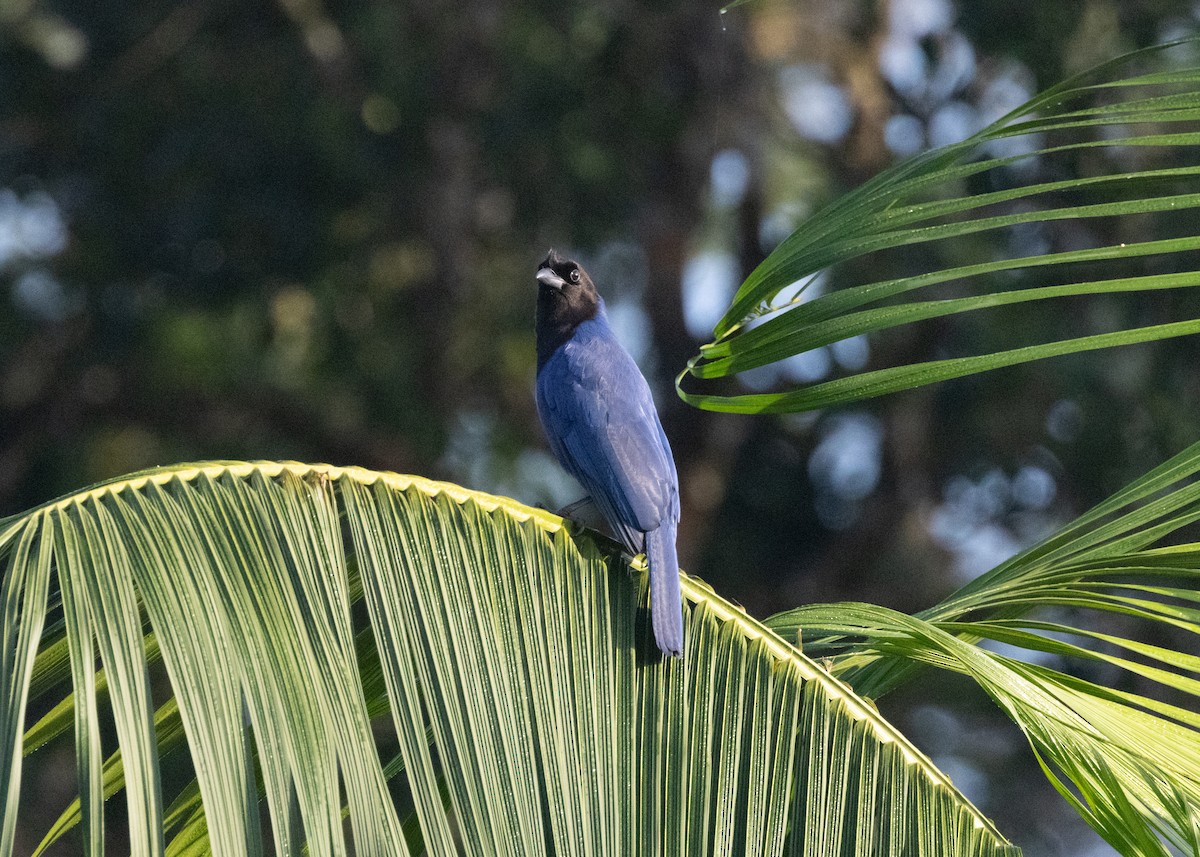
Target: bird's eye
[[574, 275]]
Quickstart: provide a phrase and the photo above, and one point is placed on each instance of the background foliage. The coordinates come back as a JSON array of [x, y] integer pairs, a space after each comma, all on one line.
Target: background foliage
[[307, 230]]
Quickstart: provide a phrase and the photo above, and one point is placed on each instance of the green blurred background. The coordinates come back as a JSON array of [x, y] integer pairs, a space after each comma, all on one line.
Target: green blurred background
[[308, 230]]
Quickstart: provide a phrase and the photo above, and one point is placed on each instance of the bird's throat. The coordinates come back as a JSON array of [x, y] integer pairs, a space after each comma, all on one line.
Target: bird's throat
[[558, 316], [551, 335]]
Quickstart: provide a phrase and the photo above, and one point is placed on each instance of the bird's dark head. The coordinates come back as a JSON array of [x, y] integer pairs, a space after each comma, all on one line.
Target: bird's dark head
[[567, 297]]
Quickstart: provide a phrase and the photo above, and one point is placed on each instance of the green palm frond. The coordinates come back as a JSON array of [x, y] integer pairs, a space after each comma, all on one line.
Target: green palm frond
[[1128, 761], [919, 203], [300, 611]]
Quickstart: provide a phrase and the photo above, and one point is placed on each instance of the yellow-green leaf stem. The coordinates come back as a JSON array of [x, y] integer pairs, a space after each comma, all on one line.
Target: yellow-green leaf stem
[[511, 649]]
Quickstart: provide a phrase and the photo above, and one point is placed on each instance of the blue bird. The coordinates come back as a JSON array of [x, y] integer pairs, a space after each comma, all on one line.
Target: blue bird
[[598, 414]]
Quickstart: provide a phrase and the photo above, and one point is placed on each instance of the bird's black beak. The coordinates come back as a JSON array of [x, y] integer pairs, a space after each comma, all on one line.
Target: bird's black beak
[[547, 277]]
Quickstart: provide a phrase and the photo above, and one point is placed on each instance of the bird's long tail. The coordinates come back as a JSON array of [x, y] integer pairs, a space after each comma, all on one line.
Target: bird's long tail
[[666, 606]]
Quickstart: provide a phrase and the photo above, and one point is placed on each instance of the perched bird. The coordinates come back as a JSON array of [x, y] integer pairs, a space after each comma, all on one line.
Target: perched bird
[[598, 414]]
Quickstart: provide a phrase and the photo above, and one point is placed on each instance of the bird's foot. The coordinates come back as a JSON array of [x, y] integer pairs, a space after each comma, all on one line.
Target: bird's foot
[[569, 510]]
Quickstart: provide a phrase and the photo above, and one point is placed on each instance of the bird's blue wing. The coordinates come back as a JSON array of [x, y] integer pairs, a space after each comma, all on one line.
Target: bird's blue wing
[[603, 427]]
